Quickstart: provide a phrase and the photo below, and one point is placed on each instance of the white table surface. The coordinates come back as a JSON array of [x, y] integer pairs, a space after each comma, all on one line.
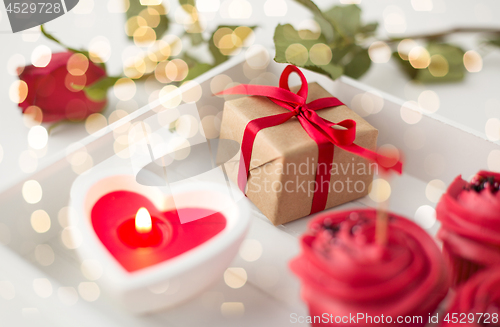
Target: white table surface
[[470, 103]]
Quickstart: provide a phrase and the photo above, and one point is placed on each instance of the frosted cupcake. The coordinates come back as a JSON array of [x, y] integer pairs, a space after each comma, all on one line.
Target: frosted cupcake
[[476, 302], [344, 272], [470, 230]]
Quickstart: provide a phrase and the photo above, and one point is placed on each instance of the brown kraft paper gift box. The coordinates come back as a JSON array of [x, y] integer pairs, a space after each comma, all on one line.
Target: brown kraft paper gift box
[[284, 158]]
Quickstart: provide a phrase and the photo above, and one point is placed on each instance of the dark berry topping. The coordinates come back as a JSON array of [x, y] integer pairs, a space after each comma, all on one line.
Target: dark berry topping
[[328, 226], [480, 183]]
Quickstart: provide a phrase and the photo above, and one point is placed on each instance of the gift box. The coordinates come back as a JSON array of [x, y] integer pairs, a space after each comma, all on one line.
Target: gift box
[[282, 178]]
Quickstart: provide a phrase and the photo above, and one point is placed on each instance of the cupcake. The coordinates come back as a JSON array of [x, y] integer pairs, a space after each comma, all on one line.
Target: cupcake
[[346, 273], [470, 230], [476, 302]]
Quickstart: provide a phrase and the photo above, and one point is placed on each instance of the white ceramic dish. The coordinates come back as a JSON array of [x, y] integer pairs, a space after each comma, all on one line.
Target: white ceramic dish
[[176, 280]]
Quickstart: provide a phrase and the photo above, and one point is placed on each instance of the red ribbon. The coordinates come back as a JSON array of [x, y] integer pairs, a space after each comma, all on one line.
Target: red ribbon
[[319, 129]]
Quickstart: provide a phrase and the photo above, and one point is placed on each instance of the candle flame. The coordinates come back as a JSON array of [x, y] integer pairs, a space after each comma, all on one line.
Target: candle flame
[[143, 223]]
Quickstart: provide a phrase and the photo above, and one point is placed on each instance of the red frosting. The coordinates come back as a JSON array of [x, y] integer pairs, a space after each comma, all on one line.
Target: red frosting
[[344, 270], [471, 220], [476, 302]]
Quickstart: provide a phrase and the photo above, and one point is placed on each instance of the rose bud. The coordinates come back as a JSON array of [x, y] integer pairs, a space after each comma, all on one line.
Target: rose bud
[[57, 89], [470, 224]]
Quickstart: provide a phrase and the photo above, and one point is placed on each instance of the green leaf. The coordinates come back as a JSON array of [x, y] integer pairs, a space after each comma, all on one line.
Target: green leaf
[[136, 8], [98, 91], [495, 42], [340, 52], [187, 2], [359, 64], [286, 35], [219, 57], [195, 38], [405, 66], [369, 28], [331, 70], [345, 19], [325, 25], [52, 38], [446, 64], [197, 70]]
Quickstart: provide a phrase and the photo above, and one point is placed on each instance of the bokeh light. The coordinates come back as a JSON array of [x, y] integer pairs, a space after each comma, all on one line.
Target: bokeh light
[[118, 6], [320, 54], [493, 160], [275, 8], [83, 7], [99, 49], [419, 58], [251, 250], [428, 100], [257, 57], [89, 291], [380, 190], [41, 56], [7, 290], [95, 122], [473, 61], [379, 52], [32, 191], [44, 254], [40, 221], [71, 237], [15, 64], [220, 83], [91, 269], [38, 137], [422, 5], [208, 5], [170, 96], [32, 116], [235, 277], [410, 112], [434, 189], [42, 287], [492, 129], [296, 54], [438, 66], [232, 309], [425, 216], [77, 64], [240, 9], [67, 295], [124, 89], [405, 46], [210, 126], [394, 19], [18, 91]]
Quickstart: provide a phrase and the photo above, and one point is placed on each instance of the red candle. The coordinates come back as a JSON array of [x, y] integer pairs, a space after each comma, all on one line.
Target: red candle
[[144, 231], [139, 235]]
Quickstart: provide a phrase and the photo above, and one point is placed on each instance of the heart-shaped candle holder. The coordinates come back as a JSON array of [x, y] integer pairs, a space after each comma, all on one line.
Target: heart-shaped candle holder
[[166, 262]]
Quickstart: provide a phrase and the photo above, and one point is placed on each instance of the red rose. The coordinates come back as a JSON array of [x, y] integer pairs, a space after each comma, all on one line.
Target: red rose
[[58, 92]]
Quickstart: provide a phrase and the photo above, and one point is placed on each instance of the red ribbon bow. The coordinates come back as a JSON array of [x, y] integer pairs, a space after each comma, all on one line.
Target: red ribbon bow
[[319, 129]]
